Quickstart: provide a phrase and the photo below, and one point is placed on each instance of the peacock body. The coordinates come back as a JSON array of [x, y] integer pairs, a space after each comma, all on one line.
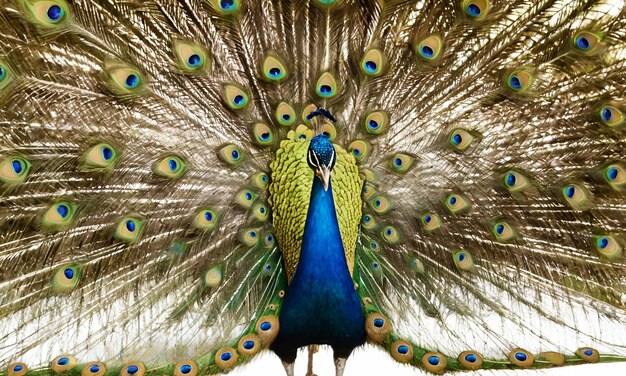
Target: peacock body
[[184, 184]]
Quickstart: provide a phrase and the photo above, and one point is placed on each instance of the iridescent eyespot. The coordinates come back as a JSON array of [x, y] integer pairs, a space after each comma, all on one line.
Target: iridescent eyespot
[[171, 167], [191, 58], [133, 369], [302, 133], [434, 362], [520, 80], [374, 246], [245, 198], [502, 231], [470, 360], [416, 265], [401, 351], [390, 235], [611, 116], [368, 191], [359, 149], [586, 42], [206, 219], [129, 229], [401, 162], [231, 154], [6, 75], [62, 363], [373, 62], [226, 7], [456, 203], [269, 240], [460, 139], [186, 368], [368, 222], [249, 344], [235, 97], [285, 114], [515, 181], [476, 9], [59, 215], [260, 180], [273, 68], [429, 48], [326, 86], [263, 134], [376, 122], [123, 79], [48, 14], [576, 196], [306, 111], [463, 261], [521, 358], [430, 221], [588, 354], [66, 278], [226, 358], [381, 204], [94, 369], [99, 157], [608, 246], [213, 277], [14, 170], [249, 237], [16, 369], [329, 130], [261, 212], [615, 175]]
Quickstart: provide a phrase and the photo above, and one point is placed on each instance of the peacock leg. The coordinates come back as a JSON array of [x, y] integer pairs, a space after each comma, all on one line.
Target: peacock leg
[[340, 365], [312, 350], [289, 368]]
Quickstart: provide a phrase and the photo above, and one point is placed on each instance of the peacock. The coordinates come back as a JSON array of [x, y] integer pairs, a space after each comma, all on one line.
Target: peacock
[[185, 184]]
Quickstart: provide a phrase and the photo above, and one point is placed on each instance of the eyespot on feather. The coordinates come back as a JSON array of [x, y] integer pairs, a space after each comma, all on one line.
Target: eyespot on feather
[[186, 368], [261, 212], [401, 351], [249, 237], [377, 327], [306, 111], [429, 49], [273, 68], [267, 328], [123, 79], [285, 114], [381, 204], [226, 7], [586, 42], [390, 235], [434, 362], [611, 116], [231, 155], [552, 357], [502, 231], [515, 181], [520, 80], [235, 97], [66, 278], [471, 360], [368, 191], [456, 204], [262, 134], [359, 149], [191, 58], [376, 122], [269, 240], [129, 229], [47, 14], [260, 180], [206, 219], [326, 86], [464, 261], [226, 358], [521, 358], [99, 157], [58, 216], [94, 369], [329, 130], [14, 170], [17, 369], [401, 162], [249, 345], [63, 363], [6, 75], [475, 9], [245, 198], [133, 369], [608, 246], [577, 196], [460, 139], [615, 175], [588, 354], [373, 63], [325, 3], [170, 166], [430, 221], [369, 222]]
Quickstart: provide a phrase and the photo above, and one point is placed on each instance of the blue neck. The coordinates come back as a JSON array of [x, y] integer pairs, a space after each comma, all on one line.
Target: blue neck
[[321, 305]]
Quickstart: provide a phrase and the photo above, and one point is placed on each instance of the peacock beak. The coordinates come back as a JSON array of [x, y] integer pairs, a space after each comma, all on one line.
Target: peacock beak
[[323, 173]]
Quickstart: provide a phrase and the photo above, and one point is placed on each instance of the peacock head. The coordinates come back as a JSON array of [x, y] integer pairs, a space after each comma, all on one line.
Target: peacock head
[[321, 158]]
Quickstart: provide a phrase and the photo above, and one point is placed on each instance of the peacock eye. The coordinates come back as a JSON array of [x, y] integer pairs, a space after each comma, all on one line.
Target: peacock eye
[[260, 180], [171, 166], [429, 49], [129, 229], [586, 42], [430, 221], [58, 215], [515, 181], [390, 235], [269, 240], [502, 231], [123, 79], [285, 114], [261, 212], [376, 122], [273, 68], [99, 157], [359, 149], [245, 198], [381, 204], [249, 237], [231, 154], [615, 175], [213, 277], [368, 222], [14, 170], [456, 203], [263, 134], [373, 62], [576, 195], [206, 220], [6, 75], [235, 97], [464, 261], [611, 116], [326, 85], [476, 9], [190, 57], [226, 7], [520, 80], [460, 139], [66, 278], [608, 246], [401, 162], [50, 13]]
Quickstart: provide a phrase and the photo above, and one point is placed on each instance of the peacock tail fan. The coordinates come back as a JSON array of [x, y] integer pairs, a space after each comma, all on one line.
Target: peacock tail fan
[[155, 179]]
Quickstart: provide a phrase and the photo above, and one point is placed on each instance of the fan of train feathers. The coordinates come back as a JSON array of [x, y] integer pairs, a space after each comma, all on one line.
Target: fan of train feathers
[[154, 184]]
